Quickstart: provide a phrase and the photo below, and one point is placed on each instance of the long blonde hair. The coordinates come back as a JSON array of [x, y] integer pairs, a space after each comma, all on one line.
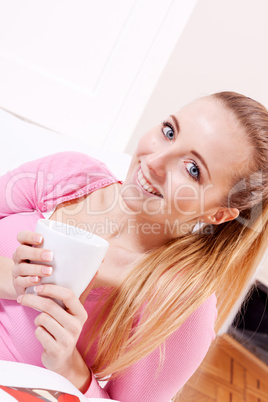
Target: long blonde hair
[[170, 283]]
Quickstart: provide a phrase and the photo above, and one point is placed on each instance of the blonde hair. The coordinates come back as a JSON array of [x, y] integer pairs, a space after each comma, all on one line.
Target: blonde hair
[[170, 283]]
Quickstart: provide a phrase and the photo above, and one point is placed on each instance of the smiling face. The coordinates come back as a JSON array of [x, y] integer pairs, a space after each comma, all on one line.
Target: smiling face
[[183, 167]]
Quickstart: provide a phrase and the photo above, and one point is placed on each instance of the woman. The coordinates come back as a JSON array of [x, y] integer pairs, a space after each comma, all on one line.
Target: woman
[[147, 320]]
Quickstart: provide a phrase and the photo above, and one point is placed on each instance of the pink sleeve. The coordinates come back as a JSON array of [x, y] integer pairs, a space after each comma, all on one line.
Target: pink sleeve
[[95, 390], [43, 183], [184, 352]]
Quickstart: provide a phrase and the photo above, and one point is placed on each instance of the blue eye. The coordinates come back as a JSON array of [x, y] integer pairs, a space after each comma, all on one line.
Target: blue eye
[[193, 171], [168, 130]]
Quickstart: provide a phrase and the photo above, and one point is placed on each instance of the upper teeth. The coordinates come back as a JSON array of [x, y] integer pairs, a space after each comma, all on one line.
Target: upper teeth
[[147, 186]]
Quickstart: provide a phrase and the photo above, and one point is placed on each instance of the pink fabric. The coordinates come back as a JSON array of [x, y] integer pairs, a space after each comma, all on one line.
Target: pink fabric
[[39, 186]]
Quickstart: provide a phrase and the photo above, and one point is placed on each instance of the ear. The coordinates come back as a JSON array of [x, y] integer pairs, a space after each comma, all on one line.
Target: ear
[[222, 215]]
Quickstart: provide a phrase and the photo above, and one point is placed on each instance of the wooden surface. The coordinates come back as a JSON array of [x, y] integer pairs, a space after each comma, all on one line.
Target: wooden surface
[[229, 373]]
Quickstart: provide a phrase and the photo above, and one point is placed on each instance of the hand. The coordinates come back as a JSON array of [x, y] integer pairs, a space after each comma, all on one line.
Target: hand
[[58, 331], [24, 273]]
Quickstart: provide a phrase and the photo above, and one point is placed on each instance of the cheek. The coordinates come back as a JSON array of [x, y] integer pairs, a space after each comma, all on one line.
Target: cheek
[[186, 199], [146, 144]]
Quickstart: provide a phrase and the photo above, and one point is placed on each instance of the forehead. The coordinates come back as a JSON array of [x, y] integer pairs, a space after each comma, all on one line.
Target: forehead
[[214, 131]]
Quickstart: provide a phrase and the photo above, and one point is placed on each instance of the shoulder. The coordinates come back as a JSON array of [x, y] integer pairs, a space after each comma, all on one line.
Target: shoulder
[[64, 176], [205, 316], [198, 328], [187, 346], [182, 352], [65, 164]]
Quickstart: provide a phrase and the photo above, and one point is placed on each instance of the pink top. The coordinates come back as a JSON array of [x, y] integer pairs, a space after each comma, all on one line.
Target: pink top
[[37, 187]]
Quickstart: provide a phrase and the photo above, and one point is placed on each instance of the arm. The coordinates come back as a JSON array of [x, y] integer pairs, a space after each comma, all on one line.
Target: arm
[[184, 351], [58, 329], [39, 185], [42, 183]]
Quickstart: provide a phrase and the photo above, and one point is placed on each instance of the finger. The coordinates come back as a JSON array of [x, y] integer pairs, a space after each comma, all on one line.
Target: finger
[[47, 340], [24, 252], [65, 295], [26, 281], [69, 323], [24, 269], [55, 329], [29, 238], [51, 356], [44, 304], [49, 306]]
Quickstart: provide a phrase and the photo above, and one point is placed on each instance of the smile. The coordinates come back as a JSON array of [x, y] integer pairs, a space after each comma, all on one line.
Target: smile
[[146, 185]]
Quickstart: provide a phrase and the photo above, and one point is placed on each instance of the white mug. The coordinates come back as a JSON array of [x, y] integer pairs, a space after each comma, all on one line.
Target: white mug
[[77, 255]]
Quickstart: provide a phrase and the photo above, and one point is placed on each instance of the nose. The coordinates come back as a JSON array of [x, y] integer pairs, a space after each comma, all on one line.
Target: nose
[[158, 162]]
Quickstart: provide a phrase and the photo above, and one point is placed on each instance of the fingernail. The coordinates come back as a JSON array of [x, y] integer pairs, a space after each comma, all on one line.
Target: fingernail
[[47, 270], [37, 238], [38, 288], [47, 256], [19, 299], [34, 278]]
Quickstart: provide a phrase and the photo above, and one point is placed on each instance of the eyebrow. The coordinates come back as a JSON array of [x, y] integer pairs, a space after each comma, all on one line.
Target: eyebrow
[[176, 122], [192, 151]]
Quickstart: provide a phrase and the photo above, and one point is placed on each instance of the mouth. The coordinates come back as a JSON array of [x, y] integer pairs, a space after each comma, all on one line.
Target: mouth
[[148, 187]]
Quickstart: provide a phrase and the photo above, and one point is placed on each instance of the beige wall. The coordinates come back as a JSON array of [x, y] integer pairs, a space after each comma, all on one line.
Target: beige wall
[[223, 47]]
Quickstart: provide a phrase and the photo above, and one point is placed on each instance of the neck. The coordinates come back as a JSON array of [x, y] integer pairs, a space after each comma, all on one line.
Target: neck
[[139, 233]]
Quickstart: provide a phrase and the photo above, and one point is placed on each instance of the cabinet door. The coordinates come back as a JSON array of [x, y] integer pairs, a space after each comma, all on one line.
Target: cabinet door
[[86, 68]]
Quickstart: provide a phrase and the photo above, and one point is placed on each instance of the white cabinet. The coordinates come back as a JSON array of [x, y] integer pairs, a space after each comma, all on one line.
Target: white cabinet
[[86, 68]]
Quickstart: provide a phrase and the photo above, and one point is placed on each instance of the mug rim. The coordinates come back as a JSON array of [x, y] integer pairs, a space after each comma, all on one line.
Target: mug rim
[[82, 235]]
